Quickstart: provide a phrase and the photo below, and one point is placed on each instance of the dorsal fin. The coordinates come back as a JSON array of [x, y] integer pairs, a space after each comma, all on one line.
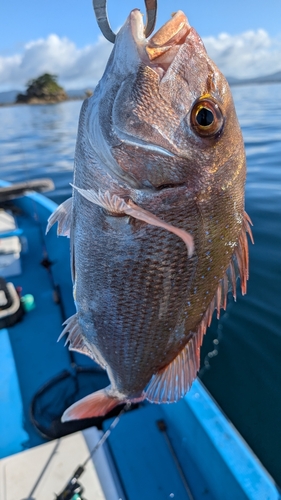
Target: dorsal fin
[[238, 268], [62, 215], [172, 382]]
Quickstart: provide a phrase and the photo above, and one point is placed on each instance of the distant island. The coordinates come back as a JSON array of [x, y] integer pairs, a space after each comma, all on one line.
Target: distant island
[[265, 79], [39, 93], [46, 90], [43, 89]]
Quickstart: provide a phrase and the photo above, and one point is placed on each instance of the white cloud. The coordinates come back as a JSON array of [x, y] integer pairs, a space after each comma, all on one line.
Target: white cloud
[[76, 68], [249, 54]]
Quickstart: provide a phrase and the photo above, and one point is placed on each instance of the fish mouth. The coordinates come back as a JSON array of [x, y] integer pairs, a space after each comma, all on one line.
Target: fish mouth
[[160, 50]]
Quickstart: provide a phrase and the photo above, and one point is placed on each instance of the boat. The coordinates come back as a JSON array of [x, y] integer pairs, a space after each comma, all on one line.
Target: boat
[[184, 451]]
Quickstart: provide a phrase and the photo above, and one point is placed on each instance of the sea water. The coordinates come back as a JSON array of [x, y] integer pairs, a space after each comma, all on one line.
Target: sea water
[[241, 355]]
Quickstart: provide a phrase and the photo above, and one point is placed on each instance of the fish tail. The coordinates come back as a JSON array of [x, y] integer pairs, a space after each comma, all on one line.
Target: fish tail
[[95, 405]]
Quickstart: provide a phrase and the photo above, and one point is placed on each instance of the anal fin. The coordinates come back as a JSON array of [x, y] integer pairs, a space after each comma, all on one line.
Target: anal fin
[[172, 382], [76, 338], [62, 215]]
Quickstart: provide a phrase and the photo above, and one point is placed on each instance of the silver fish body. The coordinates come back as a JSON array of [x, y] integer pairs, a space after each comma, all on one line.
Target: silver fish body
[[158, 145]]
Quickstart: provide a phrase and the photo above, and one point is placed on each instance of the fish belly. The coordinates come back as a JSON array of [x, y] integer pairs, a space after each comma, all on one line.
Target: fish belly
[[132, 286]]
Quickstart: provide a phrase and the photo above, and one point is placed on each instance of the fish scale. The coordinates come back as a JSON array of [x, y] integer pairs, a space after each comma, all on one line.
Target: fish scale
[[157, 224], [138, 292]]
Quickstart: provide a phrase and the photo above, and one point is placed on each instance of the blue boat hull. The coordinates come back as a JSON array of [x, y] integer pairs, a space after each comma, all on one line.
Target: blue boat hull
[[187, 450]]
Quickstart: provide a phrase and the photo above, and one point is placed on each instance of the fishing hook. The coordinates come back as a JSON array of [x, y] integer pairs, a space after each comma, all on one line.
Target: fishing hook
[[102, 19]]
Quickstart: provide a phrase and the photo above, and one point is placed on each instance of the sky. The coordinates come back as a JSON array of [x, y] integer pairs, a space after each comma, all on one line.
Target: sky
[[62, 37]]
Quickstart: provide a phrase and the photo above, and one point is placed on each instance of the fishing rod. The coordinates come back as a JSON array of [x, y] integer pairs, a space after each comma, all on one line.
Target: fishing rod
[[73, 490]]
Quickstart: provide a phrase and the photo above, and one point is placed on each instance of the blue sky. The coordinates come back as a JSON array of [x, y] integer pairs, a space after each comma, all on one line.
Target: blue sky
[[26, 26]]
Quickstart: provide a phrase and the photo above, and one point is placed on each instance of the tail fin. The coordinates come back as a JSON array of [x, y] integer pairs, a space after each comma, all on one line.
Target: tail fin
[[95, 405]]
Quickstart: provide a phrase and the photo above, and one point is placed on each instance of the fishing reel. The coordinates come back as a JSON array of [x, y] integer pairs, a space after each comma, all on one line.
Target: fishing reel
[[73, 489]]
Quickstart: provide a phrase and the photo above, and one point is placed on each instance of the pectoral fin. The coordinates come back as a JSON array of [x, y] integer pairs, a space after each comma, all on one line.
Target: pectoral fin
[[113, 203]]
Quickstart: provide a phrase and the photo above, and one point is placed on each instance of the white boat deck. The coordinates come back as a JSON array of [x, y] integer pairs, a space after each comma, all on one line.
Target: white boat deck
[[41, 472]]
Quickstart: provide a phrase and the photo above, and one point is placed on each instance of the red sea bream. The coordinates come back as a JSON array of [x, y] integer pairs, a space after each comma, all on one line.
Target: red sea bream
[[156, 222]]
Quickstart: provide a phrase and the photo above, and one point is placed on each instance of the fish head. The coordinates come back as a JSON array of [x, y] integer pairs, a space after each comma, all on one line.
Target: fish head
[[163, 113]]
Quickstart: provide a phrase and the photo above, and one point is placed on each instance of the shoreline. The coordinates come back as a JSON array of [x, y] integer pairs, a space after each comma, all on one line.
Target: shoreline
[[242, 83], [40, 103], [82, 97]]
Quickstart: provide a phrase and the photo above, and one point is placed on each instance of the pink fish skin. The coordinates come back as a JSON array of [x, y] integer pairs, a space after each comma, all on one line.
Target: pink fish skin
[[156, 221]]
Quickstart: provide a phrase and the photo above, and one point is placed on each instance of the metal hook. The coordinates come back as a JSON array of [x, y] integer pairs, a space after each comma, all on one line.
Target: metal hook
[[102, 19], [151, 13]]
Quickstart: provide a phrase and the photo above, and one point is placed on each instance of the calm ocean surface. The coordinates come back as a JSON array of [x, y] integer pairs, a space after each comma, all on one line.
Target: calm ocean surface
[[241, 358]]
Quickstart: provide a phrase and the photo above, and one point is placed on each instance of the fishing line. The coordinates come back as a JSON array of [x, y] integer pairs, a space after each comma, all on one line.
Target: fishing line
[[73, 487]]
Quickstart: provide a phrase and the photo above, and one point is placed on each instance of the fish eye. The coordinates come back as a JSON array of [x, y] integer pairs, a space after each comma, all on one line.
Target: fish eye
[[206, 118]]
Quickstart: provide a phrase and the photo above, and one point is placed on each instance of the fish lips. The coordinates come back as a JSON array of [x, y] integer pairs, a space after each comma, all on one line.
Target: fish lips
[[135, 135], [160, 50], [128, 135]]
